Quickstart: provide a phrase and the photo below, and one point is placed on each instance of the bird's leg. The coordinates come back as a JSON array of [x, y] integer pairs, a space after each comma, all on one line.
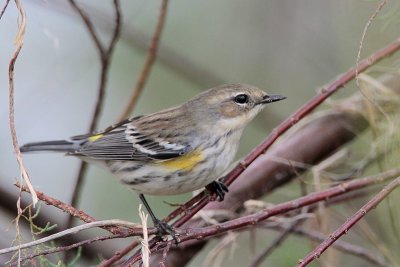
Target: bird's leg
[[219, 188], [163, 228]]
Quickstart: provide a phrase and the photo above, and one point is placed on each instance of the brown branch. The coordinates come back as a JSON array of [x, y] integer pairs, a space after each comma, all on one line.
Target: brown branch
[[150, 59], [19, 44], [344, 228], [253, 219], [4, 8], [81, 215], [69, 247], [89, 26], [105, 54], [119, 254]]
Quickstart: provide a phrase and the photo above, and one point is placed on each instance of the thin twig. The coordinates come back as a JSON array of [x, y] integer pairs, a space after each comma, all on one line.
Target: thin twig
[[74, 230], [4, 8], [150, 58], [19, 44], [73, 211], [364, 33], [105, 54], [89, 26], [344, 228], [119, 254], [81, 215], [105, 58], [69, 247]]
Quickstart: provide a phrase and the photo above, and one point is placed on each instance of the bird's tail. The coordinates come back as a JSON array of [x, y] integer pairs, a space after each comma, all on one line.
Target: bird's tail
[[55, 146]]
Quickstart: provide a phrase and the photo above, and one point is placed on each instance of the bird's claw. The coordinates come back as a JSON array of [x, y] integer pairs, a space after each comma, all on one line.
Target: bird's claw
[[218, 188], [164, 228]]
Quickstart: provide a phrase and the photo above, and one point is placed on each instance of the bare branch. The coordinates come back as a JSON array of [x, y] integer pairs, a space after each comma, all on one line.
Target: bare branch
[[364, 33], [119, 254], [4, 8], [150, 58], [69, 247], [89, 26], [73, 211], [74, 230], [344, 228], [105, 57]]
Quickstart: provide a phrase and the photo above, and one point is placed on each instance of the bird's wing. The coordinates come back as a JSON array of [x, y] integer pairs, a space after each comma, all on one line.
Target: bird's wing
[[124, 141]]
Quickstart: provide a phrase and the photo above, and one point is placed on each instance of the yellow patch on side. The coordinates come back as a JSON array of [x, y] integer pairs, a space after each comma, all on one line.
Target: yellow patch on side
[[95, 137], [186, 162]]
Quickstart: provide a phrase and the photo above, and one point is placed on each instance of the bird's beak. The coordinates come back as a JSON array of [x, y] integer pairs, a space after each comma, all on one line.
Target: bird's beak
[[272, 98]]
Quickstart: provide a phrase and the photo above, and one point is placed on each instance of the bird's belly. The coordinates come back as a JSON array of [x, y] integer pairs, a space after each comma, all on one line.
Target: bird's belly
[[156, 179], [181, 175]]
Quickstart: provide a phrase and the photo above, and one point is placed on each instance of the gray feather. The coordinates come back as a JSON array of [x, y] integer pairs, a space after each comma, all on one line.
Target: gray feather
[[55, 146]]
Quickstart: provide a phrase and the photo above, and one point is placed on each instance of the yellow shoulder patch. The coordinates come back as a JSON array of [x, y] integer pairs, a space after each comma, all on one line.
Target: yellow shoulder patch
[[95, 137], [186, 162]]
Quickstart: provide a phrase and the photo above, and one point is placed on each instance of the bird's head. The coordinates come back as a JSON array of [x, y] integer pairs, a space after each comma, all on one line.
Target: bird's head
[[231, 106]]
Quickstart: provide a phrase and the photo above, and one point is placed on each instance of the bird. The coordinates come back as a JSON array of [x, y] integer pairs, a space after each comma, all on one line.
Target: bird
[[172, 151]]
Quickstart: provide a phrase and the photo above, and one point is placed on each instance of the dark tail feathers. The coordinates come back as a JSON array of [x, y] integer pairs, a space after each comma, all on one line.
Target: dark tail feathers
[[56, 146]]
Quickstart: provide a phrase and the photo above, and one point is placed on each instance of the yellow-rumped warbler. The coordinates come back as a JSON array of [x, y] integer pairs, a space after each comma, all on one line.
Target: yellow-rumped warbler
[[173, 151]]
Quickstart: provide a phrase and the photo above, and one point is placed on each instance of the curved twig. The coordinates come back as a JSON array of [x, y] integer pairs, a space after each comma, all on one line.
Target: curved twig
[[105, 54], [19, 44]]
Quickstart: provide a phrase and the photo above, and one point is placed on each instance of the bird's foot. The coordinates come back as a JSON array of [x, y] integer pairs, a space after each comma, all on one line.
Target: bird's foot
[[164, 228], [218, 188]]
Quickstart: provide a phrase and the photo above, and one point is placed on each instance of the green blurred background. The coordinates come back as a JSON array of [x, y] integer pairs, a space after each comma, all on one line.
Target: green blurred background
[[286, 47]]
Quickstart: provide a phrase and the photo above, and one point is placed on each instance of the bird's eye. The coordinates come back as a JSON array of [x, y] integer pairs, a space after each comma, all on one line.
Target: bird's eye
[[242, 99]]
